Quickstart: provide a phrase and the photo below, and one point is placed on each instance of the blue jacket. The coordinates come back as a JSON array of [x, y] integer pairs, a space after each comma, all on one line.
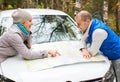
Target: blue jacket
[[111, 45]]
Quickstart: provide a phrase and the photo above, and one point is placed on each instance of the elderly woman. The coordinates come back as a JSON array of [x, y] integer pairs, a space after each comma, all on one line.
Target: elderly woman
[[17, 40]]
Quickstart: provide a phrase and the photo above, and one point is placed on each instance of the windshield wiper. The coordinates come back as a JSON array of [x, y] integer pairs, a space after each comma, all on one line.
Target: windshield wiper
[[62, 27]]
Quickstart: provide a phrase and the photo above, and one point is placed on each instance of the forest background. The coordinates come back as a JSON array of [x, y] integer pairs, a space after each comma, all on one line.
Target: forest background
[[106, 10]]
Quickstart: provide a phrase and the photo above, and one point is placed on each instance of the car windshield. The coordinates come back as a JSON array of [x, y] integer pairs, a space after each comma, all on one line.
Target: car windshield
[[50, 28]]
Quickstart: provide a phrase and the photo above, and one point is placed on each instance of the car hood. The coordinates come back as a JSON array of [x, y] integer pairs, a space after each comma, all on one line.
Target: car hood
[[69, 65]]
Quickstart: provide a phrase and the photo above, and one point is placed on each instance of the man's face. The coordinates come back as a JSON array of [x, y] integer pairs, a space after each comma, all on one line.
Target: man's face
[[82, 25]]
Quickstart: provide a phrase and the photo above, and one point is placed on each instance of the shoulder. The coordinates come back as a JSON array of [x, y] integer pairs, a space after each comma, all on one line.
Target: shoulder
[[14, 38], [100, 33], [14, 31]]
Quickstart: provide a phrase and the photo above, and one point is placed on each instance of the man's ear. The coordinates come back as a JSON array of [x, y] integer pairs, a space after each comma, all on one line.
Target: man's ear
[[88, 20]]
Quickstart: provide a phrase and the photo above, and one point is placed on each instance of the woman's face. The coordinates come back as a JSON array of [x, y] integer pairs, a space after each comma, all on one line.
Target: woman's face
[[27, 24]]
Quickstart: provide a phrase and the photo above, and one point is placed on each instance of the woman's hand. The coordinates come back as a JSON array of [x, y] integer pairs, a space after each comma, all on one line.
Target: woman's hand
[[53, 53]]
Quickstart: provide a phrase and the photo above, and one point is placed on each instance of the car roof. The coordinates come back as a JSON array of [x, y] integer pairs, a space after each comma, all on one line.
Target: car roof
[[33, 11]]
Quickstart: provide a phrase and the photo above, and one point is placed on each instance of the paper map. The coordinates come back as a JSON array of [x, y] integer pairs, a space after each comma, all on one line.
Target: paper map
[[70, 54]]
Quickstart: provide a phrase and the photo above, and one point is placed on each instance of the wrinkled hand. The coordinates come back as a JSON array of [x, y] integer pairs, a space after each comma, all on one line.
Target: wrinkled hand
[[53, 53], [86, 54]]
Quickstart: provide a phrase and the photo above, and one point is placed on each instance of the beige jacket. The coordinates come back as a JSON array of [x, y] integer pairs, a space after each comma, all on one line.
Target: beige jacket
[[13, 42]]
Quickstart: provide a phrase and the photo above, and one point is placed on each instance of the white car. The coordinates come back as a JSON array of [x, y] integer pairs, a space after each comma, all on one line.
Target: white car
[[52, 29]]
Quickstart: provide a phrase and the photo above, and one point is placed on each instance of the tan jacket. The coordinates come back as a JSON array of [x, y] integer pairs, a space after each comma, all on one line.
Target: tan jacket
[[13, 42]]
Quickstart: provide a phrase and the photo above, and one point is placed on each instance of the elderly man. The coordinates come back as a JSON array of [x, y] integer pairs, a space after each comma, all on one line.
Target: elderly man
[[97, 36]]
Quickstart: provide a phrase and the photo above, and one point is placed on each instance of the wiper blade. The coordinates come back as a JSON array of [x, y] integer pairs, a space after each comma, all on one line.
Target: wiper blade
[[43, 42]]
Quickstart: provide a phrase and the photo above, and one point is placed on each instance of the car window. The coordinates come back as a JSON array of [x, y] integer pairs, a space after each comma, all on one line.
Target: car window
[[49, 28]]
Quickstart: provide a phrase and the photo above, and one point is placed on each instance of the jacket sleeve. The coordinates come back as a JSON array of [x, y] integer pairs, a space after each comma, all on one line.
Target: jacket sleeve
[[17, 43], [98, 37]]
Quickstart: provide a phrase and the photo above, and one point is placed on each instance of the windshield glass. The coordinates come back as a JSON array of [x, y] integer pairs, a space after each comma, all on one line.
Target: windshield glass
[[49, 28]]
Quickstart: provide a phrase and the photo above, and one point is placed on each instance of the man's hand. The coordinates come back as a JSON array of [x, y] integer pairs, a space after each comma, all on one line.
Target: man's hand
[[53, 53], [86, 53]]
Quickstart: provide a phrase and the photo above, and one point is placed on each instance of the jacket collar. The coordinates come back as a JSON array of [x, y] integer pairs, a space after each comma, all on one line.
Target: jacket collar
[[22, 28]]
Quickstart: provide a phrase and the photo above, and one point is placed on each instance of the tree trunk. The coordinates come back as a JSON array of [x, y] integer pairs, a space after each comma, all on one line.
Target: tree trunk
[[66, 4], [52, 4], [63, 8], [105, 11], [78, 6], [5, 4], [118, 17]]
